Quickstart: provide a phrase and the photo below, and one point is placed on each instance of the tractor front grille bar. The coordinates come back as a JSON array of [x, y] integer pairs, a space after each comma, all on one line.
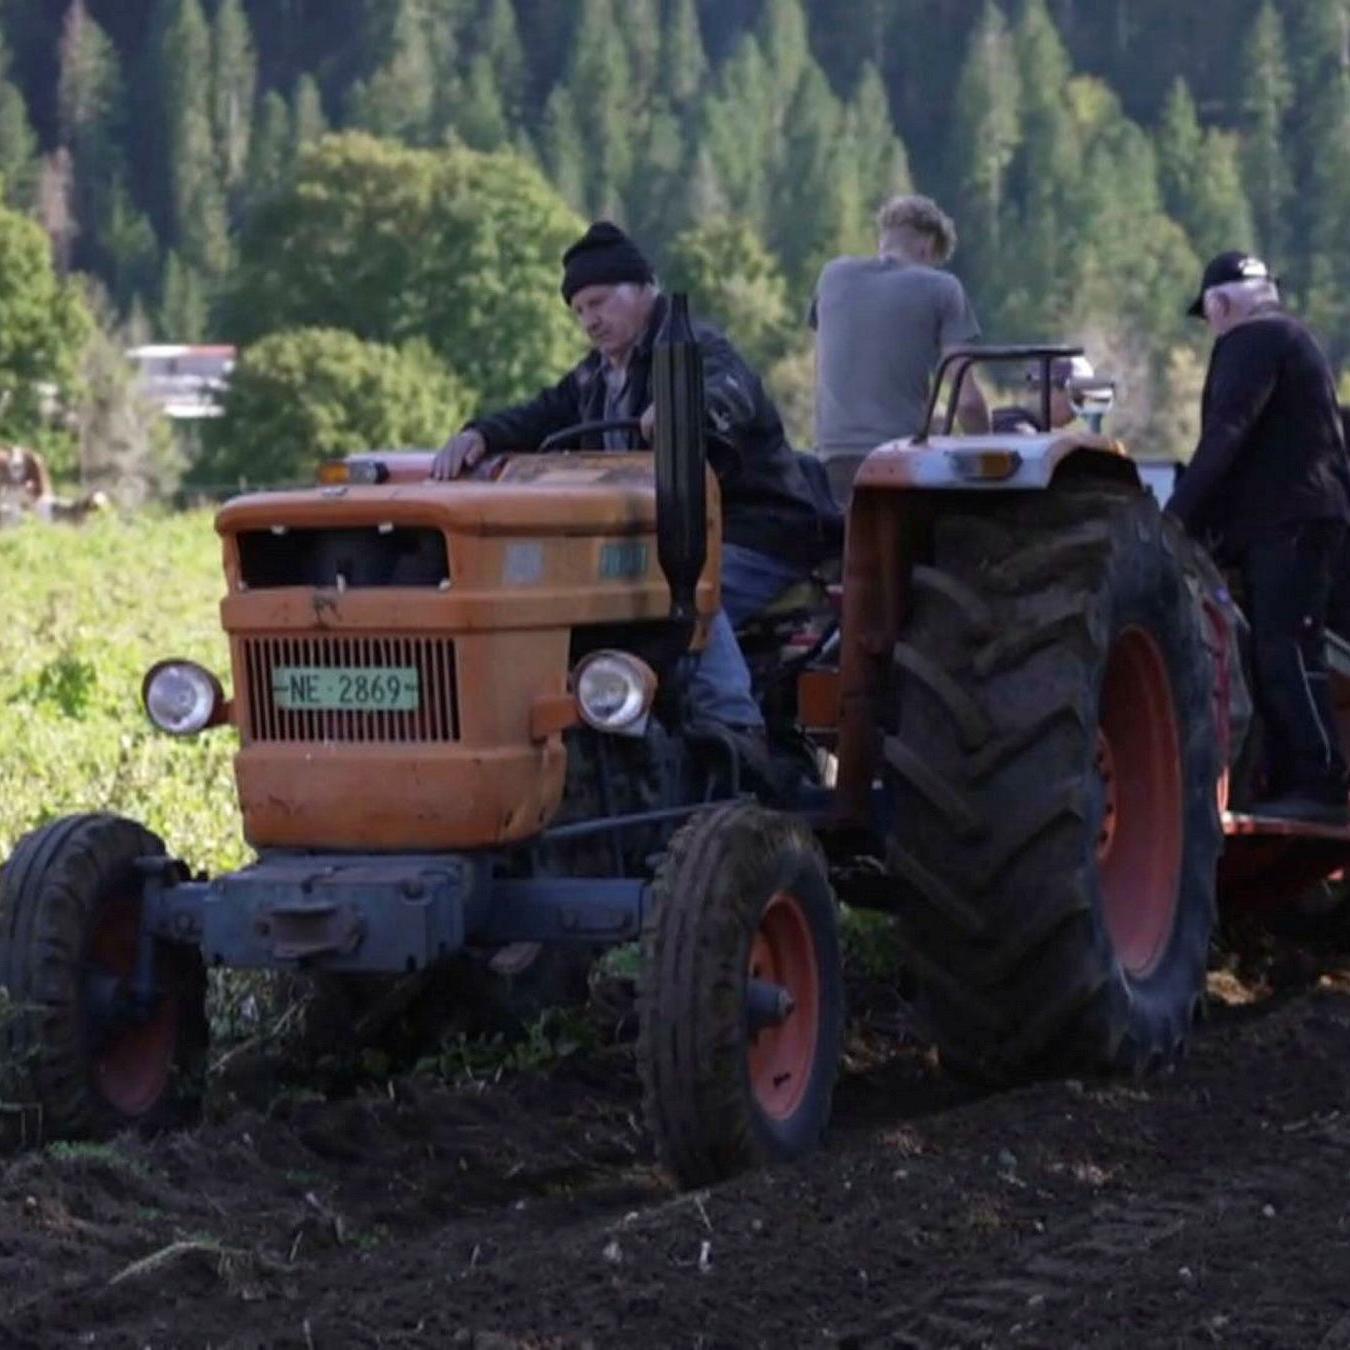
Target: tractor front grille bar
[[435, 718]]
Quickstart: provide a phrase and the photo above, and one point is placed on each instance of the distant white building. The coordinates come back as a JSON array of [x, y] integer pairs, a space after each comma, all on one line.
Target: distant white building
[[185, 381]]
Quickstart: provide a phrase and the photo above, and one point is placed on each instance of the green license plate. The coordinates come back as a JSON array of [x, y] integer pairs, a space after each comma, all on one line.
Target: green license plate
[[343, 688]]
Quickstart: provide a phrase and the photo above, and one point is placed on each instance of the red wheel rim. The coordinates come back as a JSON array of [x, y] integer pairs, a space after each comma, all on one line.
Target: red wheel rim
[[132, 1066], [781, 1057], [1140, 835]]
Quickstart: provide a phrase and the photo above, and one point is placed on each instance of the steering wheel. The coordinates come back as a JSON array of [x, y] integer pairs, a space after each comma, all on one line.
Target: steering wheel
[[586, 428]]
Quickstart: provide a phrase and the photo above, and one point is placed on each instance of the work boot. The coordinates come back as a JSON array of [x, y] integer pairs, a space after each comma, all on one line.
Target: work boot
[[1313, 807]]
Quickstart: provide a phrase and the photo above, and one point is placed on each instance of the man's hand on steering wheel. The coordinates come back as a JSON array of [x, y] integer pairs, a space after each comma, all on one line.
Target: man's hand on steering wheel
[[459, 454]]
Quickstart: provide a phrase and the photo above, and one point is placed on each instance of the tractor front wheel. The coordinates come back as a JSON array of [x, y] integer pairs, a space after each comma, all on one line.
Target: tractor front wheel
[[91, 1059], [741, 1006]]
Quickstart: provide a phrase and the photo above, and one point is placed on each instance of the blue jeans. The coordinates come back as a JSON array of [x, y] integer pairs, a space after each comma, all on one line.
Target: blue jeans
[[751, 582]]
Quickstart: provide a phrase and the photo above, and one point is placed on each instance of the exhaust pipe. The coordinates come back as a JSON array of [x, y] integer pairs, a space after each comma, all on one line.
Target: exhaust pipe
[[681, 459]]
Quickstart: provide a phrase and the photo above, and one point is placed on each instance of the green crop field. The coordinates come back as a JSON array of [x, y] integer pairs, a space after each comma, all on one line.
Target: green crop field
[[83, 612]]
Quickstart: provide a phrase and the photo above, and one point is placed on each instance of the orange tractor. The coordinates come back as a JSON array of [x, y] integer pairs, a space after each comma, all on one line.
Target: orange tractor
[[463, 732]]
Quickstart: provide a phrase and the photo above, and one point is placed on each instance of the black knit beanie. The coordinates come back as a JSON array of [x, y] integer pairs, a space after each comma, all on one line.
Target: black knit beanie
[[603, 256]]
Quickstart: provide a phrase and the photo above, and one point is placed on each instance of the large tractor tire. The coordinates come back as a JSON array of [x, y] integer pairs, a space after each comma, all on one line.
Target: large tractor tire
[[69, 918], [740, 1002], [1054, 768]]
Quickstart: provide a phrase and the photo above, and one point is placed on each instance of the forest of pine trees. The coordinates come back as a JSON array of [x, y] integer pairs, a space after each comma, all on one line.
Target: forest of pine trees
[[1093, 152]]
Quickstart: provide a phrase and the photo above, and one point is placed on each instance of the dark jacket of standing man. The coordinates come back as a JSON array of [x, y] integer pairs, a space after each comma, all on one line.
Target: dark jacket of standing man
[[1269, 490]]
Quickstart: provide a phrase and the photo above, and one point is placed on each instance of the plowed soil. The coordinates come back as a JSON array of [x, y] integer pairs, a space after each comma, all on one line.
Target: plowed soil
[[1209, 1206]]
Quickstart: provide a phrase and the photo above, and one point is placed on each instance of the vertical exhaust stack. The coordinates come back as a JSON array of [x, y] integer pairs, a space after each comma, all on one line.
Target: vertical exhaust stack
[[681, 459]]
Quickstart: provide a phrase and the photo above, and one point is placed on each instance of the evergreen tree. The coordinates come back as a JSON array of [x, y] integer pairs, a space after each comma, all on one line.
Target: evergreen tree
[[1321, 50], [883, 166], [849, 35], [479, 119], [657, 194], [308, 122], [1046, 179], [91, 121], [56, 205], [642, 36], [183, 307], [234, 79], [601, 85], [197, 222], [1268, 92], [398, 99], [126, 445], [18, 144], [271, 150], [786, 46], [819, 211], [1201, 179], [1181, 145], [560, 150], [132, 252], [738, 128], [707, 197], [684, 62], [498, 37], [1135, 261], [986, 133]]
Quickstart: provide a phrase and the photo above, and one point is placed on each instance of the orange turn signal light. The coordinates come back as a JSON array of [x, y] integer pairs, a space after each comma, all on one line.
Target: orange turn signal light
[[985, 465], [333, 472]]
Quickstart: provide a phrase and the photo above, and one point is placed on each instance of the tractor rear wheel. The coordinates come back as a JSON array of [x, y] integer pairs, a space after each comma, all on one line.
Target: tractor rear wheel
[[70, 909], [740, 1001], [1054, 768]]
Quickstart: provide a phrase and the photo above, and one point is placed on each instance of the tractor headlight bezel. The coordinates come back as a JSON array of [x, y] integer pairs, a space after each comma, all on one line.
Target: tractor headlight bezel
[[614, 692], [183, 698]]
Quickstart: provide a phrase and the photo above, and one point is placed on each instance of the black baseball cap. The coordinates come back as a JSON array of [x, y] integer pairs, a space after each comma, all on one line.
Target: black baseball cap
[[1235, 265]]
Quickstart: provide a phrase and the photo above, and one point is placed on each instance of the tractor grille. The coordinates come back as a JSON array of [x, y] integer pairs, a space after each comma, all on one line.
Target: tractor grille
[[436, 719]]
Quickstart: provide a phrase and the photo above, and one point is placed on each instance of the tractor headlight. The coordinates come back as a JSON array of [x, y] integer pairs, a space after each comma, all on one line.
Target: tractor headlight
[[614, 692], [182, 697]]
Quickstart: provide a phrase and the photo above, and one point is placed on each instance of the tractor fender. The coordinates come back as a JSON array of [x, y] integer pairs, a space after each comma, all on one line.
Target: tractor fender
[[995, 463]]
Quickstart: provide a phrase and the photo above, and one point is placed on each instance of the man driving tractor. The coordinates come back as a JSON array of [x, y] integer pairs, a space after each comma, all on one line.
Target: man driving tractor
[[1268, 490], [776, 525]]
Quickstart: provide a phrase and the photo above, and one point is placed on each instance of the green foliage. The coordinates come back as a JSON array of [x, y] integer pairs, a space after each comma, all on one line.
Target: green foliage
[[733, 280], [390, 243], [126, 447], [603, 96], [1268, 92], [555, 1035], [85, 617], [1201, 180], [398, 98], [234, 79], [986, 134], [169, 138], [91, 111], [45, 323], [297, 398], [18, 144]]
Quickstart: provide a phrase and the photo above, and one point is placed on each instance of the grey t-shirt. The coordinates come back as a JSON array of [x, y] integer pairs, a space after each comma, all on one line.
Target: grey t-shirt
[[881, 326]]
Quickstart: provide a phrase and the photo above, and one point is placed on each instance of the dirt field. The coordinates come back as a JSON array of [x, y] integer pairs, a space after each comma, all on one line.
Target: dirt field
[[1209, 1207]]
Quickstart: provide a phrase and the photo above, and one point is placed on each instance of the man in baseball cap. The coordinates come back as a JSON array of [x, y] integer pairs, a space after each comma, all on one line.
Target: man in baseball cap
[[1226, 268], [1268, 490]]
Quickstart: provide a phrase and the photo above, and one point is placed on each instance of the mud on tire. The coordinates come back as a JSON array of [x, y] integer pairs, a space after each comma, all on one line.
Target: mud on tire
[[741, 894], [1054, 767], [69, 911]]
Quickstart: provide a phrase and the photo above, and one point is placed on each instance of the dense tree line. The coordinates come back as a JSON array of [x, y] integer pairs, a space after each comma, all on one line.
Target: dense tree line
[[1092, 151]]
